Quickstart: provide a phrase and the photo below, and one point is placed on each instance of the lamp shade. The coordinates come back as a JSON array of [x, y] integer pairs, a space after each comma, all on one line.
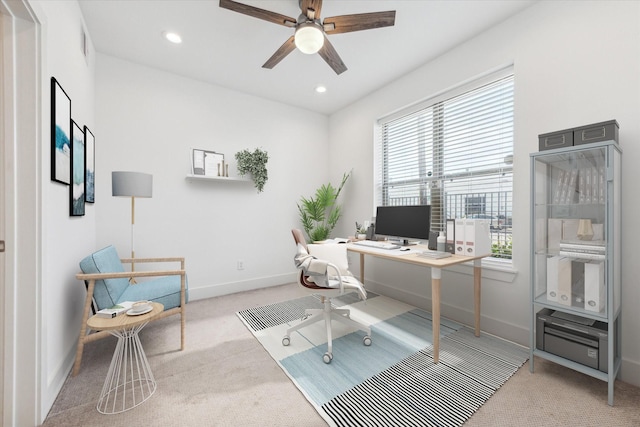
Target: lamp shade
[[131, 184], [309, 38]]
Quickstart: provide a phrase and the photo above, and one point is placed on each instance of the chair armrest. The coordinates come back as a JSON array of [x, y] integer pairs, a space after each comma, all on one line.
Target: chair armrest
[[128, 274], [140, 260], [335, 267]]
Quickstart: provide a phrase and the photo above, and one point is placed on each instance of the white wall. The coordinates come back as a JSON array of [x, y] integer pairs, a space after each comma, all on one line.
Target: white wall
[[148, 121], [575, 63], [65, 239]]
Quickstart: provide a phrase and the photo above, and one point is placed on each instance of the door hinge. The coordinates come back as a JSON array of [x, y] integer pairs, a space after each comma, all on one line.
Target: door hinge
[[1, 245]]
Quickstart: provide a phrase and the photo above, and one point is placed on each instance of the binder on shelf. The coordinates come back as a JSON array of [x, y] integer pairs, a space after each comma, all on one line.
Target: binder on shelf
[[570, 228], [477, 237], [450, 245], [594, 290], [554, 234], [601, 184], [587, 185], [571, 186], [557, 193], [563, 280], [459, 235], [552, 278]]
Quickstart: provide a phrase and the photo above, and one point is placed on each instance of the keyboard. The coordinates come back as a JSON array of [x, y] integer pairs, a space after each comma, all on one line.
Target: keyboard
[[375, 244]]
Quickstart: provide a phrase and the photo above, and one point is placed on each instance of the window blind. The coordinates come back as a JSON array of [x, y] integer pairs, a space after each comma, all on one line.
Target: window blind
[[454, 154]]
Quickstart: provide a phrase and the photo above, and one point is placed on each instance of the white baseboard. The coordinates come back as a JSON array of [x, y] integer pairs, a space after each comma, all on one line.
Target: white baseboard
[[629, 371], [511, 332], [219, 289]]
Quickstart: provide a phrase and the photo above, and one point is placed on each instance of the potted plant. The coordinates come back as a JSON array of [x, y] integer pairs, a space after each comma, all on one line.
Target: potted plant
[[361, 231], [320, 214], [254, 163]]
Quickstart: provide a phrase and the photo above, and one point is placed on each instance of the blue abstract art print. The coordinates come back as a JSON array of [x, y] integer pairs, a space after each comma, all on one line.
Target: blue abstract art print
[[76, 191], [90, 182], [60, 134]]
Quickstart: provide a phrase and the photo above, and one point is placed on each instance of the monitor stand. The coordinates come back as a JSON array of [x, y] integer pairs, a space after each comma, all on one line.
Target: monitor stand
[[407, 242]]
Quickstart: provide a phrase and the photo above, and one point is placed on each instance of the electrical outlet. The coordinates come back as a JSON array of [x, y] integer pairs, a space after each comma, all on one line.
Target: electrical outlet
[[240, 264]]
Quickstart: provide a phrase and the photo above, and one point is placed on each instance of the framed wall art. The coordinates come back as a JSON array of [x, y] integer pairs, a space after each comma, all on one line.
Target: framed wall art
[[76, 190], [60, 134], [90, 162]]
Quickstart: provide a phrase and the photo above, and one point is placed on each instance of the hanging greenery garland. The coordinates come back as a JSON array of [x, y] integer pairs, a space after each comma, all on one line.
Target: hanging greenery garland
[[254, 163]]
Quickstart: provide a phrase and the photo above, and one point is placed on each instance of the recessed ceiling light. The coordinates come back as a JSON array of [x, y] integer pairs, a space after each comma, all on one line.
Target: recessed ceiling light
[[172, 37], [321, 89]]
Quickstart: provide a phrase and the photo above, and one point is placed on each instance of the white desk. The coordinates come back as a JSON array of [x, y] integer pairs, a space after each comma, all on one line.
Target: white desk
[[436, 277]]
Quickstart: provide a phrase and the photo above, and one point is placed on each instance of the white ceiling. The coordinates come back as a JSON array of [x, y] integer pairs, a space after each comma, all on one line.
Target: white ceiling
[[226, 48]]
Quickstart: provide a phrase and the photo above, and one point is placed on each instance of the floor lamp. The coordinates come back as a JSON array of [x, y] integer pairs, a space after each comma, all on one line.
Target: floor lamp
[[131, 184]]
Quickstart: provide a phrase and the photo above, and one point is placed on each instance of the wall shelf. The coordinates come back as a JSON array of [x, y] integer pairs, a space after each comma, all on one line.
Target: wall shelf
[[216, 178]]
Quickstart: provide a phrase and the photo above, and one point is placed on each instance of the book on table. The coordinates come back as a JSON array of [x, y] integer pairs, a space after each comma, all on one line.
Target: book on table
[[115, 310]]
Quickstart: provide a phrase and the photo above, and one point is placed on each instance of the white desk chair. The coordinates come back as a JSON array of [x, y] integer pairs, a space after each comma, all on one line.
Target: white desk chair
[[315, 278]]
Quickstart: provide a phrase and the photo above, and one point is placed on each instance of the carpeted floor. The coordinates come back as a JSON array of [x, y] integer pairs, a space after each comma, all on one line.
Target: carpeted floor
[[393, 382], [224, 377]]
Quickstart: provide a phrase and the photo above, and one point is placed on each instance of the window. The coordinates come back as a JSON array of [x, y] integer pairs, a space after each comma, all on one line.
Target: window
[[455, 153]]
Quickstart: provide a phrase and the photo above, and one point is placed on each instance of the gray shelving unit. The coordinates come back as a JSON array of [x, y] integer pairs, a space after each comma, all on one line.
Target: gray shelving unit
[[576, 192]]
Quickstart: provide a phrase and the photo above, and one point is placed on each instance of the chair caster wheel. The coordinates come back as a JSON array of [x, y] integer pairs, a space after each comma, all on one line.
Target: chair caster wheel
[[286, 341], [366, 340], [327, 358]]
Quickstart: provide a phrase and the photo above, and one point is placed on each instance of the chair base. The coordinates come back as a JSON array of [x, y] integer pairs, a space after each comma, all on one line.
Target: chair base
[[327, 314]]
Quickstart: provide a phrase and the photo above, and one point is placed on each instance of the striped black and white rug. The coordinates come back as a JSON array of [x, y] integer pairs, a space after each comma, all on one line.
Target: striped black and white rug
[[393, 382]]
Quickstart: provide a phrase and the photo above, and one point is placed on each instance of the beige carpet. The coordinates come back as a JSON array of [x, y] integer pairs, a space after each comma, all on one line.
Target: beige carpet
[[225, 378]]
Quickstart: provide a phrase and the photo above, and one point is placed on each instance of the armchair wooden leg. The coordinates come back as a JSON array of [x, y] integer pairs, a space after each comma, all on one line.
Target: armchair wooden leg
[[182, 328], [79, 350], [83, 327]]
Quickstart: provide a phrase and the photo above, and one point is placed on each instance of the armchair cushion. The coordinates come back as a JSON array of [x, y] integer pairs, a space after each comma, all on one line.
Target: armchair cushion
[[107, 292], [165, 290]]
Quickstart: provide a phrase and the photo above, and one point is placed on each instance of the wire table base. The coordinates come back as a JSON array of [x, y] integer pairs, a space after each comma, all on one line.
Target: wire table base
[[129, 381]]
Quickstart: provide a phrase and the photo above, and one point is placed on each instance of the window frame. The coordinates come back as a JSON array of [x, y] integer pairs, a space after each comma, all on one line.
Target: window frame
[[436, 104]]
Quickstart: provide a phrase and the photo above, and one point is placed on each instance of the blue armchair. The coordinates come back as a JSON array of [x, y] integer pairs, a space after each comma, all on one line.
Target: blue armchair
[[108, 284]]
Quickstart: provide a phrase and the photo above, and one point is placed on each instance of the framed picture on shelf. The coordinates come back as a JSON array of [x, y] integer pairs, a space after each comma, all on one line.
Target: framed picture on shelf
[[90, 162], [197, 162], [213, 163], [76, 190], [60, 134]]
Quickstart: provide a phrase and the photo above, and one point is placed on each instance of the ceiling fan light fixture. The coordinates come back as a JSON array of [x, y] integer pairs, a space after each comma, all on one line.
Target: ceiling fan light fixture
[[309, 38]]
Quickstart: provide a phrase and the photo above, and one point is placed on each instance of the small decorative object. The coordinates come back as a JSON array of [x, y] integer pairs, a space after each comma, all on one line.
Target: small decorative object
[[254, 163], [361, 231], [60, 134], [585, 229], [319, 215]]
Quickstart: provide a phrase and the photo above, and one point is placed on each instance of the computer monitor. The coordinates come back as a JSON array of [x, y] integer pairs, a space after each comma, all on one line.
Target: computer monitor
[[404, 222]]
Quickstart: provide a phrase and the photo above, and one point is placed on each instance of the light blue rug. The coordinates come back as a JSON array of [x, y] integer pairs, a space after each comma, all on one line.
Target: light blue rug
[[394, 382]]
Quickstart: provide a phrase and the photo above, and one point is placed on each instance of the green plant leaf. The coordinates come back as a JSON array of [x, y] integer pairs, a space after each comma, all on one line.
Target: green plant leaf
[[320, 214]]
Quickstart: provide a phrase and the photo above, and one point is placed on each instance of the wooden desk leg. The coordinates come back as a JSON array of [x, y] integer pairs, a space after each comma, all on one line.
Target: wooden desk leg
[[477, 280], [362, 269], [436, 276]]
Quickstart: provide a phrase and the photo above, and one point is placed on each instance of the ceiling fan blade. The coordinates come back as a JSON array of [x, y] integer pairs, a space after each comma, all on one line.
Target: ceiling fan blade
[[329, 54], [256, 12], [358, 22], [283, 51], [311, 8]]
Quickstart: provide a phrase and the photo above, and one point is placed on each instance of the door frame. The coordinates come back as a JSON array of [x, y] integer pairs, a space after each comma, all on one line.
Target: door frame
[[20, 215]]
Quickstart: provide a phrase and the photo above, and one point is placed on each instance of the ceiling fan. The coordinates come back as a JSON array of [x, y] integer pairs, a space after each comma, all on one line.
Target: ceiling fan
[[310, 34]]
